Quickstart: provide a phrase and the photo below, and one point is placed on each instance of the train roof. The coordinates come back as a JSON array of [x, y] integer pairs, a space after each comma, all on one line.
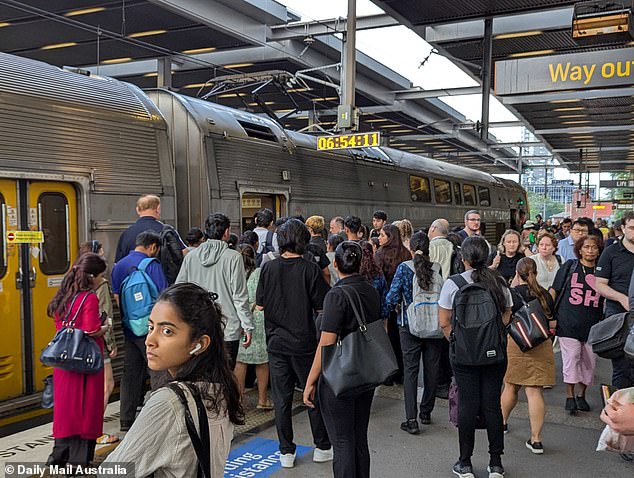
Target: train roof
[[44, 82], [220, 119]]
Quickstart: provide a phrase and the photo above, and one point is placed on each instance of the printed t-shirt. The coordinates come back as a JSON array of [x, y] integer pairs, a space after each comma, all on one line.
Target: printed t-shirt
[[580, 306]]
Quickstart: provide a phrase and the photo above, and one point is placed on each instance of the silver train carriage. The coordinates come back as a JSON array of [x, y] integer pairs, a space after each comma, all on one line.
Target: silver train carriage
[[77, 151]]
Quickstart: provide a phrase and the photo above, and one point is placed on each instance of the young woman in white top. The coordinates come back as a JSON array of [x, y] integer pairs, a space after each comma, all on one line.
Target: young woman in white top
[[185, 340], [547, 261]]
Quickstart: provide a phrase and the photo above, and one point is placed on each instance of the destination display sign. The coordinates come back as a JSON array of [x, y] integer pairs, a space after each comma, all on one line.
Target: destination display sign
[[595, 69], [345, 141], [617, 183]]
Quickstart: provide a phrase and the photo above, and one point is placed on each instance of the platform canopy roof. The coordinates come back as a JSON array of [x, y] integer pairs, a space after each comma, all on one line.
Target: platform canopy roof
[[589, 128], [256, 55]]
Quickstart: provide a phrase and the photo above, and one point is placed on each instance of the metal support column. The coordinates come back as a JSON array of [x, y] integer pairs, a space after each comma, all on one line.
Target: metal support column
[[164, 78], [347, 118], [486, 76]]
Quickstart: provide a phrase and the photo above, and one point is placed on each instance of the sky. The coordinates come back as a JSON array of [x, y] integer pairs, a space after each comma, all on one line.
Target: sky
[[386, 46]]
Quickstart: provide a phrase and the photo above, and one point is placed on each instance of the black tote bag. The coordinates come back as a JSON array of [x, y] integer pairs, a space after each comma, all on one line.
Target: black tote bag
[[71, 349], [529, 325], [360, 361]]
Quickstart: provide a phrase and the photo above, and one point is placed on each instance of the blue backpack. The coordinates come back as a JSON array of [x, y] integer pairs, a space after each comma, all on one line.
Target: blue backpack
[[138, 295]]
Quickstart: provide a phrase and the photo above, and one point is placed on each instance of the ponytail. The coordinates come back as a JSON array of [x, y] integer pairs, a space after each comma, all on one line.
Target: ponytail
[[475, 251], [527, 270], [419, 245]]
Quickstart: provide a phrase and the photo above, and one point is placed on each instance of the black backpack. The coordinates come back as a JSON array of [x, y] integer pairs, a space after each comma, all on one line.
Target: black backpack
[[478, 336], [171, 254], [266, 248]]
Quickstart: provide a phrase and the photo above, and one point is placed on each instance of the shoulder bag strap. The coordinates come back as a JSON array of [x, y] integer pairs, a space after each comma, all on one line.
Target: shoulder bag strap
[[458, 280], [571, 268], [358, 315], [71, 323], [200, 447]]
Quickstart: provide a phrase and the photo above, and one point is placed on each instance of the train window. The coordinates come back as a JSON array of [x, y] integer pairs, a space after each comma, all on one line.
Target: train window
[[485, 196], [457, 196], [419, 189], [469, 195], [255, 130], [442, 191], [54, 223], [3, 239]]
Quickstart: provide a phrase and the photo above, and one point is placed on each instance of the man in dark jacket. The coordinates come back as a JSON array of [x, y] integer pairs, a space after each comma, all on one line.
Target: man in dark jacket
[[148, 207]]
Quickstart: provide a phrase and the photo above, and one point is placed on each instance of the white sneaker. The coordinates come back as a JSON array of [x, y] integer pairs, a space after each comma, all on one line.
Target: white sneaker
[[287, 460], [322, 456]]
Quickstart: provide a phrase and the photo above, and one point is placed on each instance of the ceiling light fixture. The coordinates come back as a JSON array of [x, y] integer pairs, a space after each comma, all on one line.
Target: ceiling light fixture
[[377, 120], [574, 108], [576, 122], [113, 61], [238, 65], [4, 24], [531, 53], [572, 100], [504, 36], [147, 33], [195, 51], [84, 11], [58, 45]]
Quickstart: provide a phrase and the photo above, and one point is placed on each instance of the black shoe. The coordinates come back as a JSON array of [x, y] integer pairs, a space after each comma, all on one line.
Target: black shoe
[[571, 405], [535, 446], [425, 418], [463, 471], [506, 428], [495, 471], [627, 456], [582, 405], [442, 391], [410, 426]]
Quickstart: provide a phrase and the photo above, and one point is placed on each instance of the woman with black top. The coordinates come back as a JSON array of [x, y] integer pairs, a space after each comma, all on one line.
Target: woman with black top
[[347, 418], [390, 254], [534, 368], [578, 307], [479, 386], [508, 255]]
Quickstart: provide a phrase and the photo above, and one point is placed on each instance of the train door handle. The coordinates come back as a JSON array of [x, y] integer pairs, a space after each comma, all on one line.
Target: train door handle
[[32, 276], [18, 278]]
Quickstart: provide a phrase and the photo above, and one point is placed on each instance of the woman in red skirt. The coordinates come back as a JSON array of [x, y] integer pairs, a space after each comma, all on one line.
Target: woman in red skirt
[[78, 397]]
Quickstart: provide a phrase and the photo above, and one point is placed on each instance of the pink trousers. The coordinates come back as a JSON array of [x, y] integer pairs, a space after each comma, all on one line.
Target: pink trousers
[[578, 361]]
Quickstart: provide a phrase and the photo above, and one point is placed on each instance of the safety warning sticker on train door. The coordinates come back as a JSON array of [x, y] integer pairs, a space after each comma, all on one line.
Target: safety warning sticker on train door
[[24, 237]]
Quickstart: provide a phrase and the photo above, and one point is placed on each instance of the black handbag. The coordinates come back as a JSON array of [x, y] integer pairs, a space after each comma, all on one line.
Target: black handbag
[[72, 349], [608, 336], [529, 325], [200, 442], [361, 360]]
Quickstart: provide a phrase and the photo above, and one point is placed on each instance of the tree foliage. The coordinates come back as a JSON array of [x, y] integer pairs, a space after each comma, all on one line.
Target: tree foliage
[[536, 203]]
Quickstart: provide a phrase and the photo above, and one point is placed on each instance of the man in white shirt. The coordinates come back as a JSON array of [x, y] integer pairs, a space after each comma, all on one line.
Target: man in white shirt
[[266, 237], [440, 248]]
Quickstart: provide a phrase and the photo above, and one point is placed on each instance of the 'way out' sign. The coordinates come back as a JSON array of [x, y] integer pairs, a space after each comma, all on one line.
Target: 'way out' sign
[[595, 69]]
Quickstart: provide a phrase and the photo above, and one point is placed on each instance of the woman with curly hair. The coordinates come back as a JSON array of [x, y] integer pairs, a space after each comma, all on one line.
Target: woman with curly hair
[[390, 254], [371, 271]]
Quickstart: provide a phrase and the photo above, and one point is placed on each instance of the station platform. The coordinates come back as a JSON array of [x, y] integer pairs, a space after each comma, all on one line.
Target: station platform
[[569, 441]]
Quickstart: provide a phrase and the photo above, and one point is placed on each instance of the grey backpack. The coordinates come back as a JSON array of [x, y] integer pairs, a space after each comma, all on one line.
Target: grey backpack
[[422, 313]]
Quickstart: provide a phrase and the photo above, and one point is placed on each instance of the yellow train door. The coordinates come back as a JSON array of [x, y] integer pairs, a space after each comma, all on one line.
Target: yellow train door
[[30, 275], [11, 347], [52, 210]]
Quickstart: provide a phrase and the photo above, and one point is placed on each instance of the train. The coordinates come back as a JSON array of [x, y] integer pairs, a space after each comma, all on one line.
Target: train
[[76, 152]]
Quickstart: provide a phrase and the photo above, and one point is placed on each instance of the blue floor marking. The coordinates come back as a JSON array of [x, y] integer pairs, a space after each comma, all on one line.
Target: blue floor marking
[[258, 457]]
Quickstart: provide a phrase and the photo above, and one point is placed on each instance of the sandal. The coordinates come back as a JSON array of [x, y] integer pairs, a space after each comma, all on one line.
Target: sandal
[[106, 439], [265, 406]]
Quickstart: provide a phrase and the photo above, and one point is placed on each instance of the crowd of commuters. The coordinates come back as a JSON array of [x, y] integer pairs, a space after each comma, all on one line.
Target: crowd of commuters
[[272, 297]]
